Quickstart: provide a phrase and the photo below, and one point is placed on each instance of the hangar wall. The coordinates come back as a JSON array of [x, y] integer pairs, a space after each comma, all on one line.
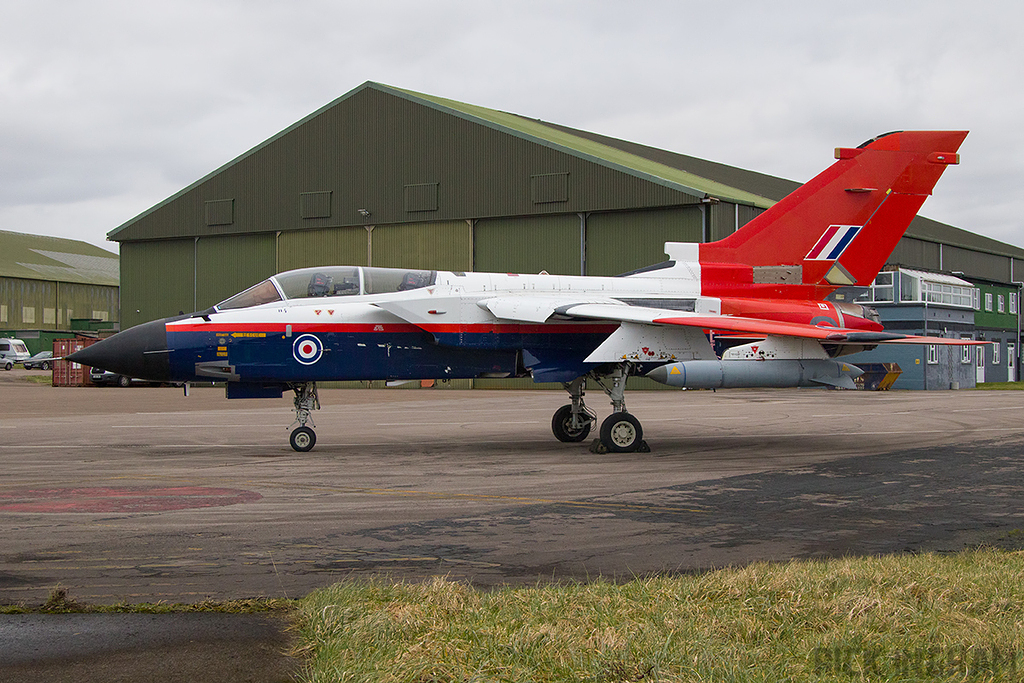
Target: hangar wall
[[162, 278], [47, 304]]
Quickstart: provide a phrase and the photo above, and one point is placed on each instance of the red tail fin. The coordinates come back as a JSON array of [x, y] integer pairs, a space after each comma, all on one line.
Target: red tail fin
[[840, 227]]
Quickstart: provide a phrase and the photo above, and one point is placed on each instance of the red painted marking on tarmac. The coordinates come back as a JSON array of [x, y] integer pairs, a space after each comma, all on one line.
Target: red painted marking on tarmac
[[122, 499]]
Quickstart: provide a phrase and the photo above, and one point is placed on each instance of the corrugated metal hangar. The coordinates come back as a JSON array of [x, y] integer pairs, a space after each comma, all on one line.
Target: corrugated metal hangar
[[388, 177], [45, 282]]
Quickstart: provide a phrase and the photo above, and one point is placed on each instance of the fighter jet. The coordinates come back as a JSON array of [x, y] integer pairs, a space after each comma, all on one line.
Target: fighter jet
[[757, 296]]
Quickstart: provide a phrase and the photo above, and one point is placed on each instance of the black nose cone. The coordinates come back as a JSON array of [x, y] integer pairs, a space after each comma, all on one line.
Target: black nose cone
[[140, 351]]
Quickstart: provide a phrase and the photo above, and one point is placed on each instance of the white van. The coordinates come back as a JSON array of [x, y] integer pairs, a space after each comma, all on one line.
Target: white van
[[12, 351]]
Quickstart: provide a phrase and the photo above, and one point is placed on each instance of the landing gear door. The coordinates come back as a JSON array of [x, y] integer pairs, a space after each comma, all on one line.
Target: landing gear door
[[653, 343]]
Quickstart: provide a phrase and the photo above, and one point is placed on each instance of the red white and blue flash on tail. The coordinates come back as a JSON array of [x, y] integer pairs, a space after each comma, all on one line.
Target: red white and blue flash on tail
[[833, 243]]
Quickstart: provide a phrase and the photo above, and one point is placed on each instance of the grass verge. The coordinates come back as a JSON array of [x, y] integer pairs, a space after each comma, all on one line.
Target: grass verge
[[999, 386], [61, 602], [912, 617], [38, 379]]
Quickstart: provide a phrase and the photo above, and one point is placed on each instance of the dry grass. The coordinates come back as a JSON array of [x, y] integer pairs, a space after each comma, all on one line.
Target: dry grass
[[922, 617]]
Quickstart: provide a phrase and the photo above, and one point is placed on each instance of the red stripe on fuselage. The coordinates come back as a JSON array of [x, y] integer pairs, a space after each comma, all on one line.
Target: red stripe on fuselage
[[454, 328]]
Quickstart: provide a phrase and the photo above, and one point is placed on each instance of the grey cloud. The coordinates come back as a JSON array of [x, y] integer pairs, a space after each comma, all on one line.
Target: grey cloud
[[108, 107]]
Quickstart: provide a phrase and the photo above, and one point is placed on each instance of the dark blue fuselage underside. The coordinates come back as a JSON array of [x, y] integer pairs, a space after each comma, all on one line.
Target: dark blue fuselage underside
[[273, 357]]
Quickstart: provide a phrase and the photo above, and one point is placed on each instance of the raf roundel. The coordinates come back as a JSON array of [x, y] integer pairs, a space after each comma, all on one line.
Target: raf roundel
[[307, 349]]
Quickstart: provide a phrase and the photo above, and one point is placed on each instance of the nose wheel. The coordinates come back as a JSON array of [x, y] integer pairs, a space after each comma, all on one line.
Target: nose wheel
[[307, 400], [303, 439]]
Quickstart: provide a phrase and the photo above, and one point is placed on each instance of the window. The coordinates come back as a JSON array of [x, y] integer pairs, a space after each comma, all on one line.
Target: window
[[1013, 303], [933, 354], [988, 301], [914, 286], [882, 289], [910, 287], [953, 295], [965, 352], [977, 299], [995, 354], [1001, 303]]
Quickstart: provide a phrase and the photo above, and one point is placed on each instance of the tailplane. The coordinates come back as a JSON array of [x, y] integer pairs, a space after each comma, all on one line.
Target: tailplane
[[840, 227]]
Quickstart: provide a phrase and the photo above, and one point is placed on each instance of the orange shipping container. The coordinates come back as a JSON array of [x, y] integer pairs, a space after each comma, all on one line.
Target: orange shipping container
[[66, 373]]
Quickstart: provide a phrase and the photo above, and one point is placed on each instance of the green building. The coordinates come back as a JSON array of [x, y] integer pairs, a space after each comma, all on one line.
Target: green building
[[46, 282]]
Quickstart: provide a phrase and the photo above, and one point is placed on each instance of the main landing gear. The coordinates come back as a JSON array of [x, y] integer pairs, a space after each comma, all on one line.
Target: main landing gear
[[303, 438], [620, 432]]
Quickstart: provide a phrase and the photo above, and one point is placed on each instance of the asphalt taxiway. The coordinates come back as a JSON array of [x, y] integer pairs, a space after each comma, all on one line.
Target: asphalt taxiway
[[142, 494]]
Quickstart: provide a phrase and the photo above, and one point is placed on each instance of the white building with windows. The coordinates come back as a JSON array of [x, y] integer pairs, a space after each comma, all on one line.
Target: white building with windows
[[945, 305]]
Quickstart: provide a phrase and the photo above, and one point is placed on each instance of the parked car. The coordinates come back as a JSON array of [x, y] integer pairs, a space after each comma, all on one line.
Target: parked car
[[41, 361], [12, 351], [107, 378]]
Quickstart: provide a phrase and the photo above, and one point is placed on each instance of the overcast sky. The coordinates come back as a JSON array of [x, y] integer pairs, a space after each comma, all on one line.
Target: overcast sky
[[108, 107]]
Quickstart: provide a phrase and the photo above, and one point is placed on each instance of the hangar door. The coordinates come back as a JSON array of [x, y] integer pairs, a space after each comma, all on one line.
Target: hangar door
[[161, 278], [444, 245], [624, 241], [228, 264], [324, 247], [528, 245], [157, 280]]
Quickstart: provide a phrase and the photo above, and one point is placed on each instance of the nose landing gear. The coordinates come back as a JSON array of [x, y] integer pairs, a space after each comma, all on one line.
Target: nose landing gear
[[307, 400]]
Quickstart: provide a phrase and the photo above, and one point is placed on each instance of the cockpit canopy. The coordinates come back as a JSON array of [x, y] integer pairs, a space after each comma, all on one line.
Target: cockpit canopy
[[308, 283]]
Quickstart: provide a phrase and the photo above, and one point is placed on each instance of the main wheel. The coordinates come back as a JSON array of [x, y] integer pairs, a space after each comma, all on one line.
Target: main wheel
[[46, 365], [8, 365], [303, 439], [621, 433], [124, 381], [561, 426]]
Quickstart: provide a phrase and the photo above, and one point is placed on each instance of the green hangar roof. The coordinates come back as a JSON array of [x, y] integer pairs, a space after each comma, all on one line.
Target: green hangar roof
[[409, 157], [55, 259], [384, 155], [599, 150]]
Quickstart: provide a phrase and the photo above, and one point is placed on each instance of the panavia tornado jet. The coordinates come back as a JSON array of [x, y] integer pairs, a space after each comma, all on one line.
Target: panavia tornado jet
[[763, 289]]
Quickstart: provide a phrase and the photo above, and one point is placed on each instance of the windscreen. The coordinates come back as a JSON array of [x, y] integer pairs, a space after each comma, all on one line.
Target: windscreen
[[307, 283], [347, 280], [263, 293]]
